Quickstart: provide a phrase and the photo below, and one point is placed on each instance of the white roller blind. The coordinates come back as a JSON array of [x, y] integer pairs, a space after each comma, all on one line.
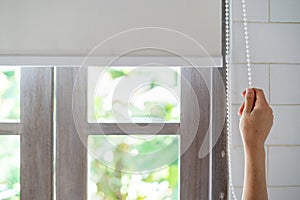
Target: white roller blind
[[75, 27]]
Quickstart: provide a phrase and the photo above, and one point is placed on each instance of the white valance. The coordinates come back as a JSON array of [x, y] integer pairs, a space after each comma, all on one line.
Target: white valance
[[111, 28]]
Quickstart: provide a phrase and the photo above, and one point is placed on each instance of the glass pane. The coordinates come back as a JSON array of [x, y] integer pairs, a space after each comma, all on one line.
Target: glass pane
[[9, 94], [10, 167], [133, 167], [134, 94]]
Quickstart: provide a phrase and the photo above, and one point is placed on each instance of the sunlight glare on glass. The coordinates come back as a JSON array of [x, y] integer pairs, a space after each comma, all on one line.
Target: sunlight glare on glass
[[145, 94], [9, 94]]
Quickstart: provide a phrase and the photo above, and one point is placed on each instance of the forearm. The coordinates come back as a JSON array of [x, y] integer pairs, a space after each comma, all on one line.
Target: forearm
[[255, 187]]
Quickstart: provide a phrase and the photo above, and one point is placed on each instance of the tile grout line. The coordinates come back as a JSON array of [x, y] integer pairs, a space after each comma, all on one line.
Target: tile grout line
[[266, 22], [271, 145], [268, 165], [283, 186], [269, 11], [272, 104], [269, 83], [267, 63]]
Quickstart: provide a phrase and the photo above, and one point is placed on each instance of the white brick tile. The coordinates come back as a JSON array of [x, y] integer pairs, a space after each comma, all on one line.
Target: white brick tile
[[260, 79], [237, 157], [284, 84], [235, 119], [285, 130], [284, 167], [285, 11], [269, 43], [280, 193], [257, 10]]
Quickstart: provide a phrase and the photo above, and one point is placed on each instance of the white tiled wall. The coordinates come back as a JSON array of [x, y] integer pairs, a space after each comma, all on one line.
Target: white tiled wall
[[284, 83], [284, 166], [260, 7], [285, 11], [269, 42], [274, 34]]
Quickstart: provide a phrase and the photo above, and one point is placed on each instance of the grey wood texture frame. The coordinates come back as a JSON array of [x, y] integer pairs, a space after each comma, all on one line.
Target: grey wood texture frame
[[194, 172], [10, 128], [71, 160], [71, 155], [219, 152], [36, 132], [220, 157]]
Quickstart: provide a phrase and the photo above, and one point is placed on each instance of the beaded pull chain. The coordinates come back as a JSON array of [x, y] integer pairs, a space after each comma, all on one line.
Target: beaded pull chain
[[228, 81], [247, 45]]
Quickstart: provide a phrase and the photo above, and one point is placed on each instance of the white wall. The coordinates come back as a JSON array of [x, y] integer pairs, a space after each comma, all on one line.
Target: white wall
[[274, 28]]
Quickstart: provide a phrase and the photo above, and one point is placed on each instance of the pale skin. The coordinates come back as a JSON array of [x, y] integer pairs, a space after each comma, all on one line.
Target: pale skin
[[255, 124]]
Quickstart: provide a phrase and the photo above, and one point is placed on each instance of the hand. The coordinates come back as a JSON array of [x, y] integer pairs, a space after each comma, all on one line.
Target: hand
[[255, 125], [256, 119]]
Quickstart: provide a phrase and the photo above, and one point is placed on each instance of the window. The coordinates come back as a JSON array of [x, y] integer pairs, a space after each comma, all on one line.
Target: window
[[27, 125], [88, 166], [178, 171]]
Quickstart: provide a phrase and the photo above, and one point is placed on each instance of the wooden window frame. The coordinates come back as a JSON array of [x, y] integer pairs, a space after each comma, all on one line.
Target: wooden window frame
[[36, 131], [199, 178]]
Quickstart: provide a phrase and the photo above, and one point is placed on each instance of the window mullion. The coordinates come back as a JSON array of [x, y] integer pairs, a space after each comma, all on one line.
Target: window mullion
[[148, 129], [10, 128], [36, 136], [194, 171], [71, 154]]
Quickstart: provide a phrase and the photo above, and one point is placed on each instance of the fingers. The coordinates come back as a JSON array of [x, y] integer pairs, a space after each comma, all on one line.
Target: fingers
[[253, 97], [243, 93], [249, 100], [241, 109], [260, 97]]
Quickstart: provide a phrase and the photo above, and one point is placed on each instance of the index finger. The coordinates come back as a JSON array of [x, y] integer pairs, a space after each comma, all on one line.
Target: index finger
[[260, 97]]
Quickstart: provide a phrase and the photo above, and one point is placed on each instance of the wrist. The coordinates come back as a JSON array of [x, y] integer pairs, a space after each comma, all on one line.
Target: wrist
[[254, 143], [254, 150]]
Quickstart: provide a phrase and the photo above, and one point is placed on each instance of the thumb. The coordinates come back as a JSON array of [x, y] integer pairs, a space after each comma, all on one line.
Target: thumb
[[249, 100]]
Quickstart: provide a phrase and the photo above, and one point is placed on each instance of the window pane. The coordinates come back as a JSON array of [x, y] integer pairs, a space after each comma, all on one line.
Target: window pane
[[133, 94], [10, 167], [9, 94], [133, 167]]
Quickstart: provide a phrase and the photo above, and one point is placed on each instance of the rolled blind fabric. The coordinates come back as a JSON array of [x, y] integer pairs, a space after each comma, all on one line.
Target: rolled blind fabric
[[110, 28]]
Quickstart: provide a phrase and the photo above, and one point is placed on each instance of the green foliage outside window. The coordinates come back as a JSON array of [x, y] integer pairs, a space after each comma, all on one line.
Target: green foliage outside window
[[156, 101], [9, 94], [110, 179], [9, 145], [157, 104]]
